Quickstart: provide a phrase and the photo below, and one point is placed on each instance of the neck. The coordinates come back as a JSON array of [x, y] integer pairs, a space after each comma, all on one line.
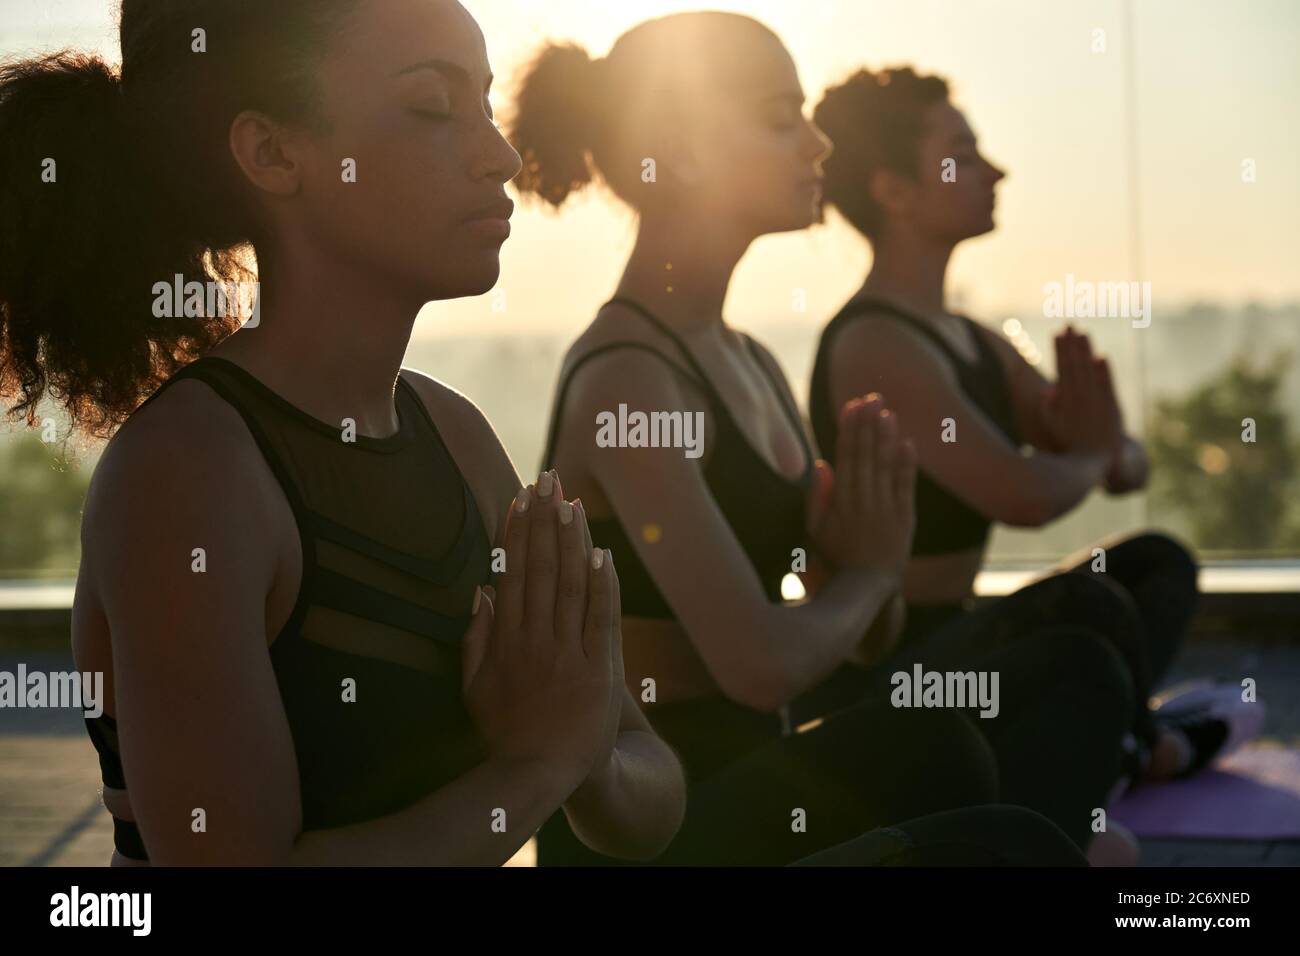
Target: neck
[[331, 346], [702, 260], [909, 269]]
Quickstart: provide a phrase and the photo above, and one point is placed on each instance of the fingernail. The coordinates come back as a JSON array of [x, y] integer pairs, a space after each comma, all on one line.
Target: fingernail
[[566, 513], [597, 559], [545, 485], [478, 597], [521, 500], [490, 592]]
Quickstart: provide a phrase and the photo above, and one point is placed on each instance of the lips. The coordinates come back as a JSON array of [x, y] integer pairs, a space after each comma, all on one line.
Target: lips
[[493, 220], [498, 210]]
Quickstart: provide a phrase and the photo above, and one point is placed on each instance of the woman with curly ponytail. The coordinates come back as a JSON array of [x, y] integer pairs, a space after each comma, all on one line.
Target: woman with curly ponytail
[[288, 541], [696, 122]]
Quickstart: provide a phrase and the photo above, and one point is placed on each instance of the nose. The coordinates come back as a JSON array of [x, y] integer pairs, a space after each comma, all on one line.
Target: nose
[[819, 144], [496, 159]]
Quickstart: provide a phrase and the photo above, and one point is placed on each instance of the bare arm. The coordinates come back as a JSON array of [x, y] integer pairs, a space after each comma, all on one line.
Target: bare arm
[[980, 467], [759, 653], [200, 717], [1031, 391], [888, 626], [631, 806]]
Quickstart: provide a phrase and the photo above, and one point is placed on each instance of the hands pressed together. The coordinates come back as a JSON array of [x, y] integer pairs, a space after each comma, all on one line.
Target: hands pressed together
[[543, 658], [862, 514], [1081, 409]]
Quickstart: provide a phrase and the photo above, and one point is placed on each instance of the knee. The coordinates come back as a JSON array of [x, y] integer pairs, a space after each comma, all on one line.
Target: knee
[[957, 757], [1093, 600], [1093, 668], [1159, 553]]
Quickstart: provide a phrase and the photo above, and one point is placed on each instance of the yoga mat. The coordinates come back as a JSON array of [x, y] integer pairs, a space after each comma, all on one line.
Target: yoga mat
[[1253, 794]]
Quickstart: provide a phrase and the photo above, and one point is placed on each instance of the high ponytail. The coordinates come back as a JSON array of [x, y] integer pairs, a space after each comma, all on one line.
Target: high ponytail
[[112, 183], [557, 120], [81, 246], [577, 118]]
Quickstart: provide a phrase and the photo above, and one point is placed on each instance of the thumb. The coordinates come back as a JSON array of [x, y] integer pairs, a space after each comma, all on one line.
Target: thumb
[[819, 496], [475, 643]]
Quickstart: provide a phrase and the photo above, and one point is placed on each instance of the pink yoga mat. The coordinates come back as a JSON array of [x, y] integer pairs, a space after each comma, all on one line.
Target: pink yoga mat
[[1253, 794]]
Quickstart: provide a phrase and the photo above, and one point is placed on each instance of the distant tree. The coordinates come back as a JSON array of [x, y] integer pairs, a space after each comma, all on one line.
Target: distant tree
[[1237, 495], [42, 494]]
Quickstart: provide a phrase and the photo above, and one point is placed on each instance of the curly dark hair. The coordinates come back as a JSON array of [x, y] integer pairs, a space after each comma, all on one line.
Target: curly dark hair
[[576, 117], [112, 182], [876, 122]]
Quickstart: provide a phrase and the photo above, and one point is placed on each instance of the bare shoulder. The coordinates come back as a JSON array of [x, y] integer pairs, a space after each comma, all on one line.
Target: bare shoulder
[[183, 472], [472, 442], [881, 341], [632, 373]]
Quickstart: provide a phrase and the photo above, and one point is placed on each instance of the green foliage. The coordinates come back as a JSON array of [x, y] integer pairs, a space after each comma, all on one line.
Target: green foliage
[[1237, 495], [42, 494]]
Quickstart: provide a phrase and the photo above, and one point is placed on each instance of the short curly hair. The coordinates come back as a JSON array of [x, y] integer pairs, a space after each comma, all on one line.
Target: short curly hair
[[876, 122]]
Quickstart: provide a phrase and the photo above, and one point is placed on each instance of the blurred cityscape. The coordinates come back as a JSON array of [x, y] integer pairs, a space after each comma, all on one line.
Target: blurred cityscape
[[1187, 384]]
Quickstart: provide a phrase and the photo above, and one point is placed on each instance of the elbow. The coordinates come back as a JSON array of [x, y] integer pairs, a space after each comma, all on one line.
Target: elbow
[[762, 684], [1032, 505], [1026, 511]]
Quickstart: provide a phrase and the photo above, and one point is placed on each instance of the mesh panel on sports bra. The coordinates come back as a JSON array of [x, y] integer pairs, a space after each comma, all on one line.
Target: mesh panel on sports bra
[[369, 663]]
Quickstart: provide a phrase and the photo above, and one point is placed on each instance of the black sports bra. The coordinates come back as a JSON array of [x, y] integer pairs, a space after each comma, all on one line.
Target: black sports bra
[[393, 547], [766, 510], [944, 523]]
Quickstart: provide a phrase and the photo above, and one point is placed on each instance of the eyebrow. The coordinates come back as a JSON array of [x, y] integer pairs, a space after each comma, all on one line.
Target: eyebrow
[[448, 69]]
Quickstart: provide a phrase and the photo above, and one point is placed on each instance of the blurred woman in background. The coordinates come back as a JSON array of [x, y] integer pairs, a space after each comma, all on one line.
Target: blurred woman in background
[[696, 122], [969, 401]]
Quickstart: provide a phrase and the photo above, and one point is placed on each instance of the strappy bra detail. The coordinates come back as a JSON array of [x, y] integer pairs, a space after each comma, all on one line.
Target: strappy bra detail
[[944, 523], [393, 546], [765, 509]]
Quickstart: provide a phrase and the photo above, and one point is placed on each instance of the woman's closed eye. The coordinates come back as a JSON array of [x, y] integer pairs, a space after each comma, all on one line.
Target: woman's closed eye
[[432, 109]]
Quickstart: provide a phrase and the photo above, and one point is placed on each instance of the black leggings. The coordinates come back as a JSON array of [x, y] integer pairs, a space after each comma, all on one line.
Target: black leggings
[[1065, 704], [1142, 604], [869, 765], [992, 835]]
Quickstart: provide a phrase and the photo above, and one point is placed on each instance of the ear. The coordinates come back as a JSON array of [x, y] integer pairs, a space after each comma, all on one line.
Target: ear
[[890, 191], [682, 159], [264, 151]]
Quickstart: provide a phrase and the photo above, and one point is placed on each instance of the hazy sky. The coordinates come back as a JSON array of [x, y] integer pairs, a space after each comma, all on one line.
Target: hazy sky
[[1217, 82]]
